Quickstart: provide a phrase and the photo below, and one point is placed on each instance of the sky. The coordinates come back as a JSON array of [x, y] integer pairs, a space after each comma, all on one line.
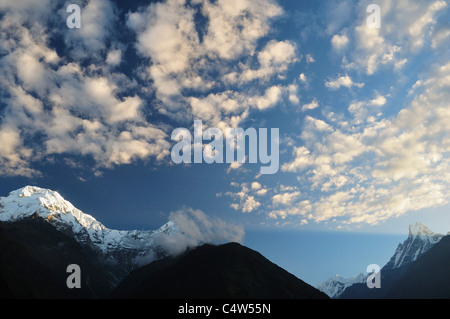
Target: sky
[[359, 97]]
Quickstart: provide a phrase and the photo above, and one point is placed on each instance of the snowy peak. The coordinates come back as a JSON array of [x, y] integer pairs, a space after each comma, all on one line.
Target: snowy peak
[[28, 191], [419, 240], [51, 206], [336, 285], [419, 229]]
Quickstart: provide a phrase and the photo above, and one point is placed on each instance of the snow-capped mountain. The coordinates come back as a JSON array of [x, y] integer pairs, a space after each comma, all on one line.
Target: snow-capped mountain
[[419, 241], [334, 286], [126, 248], [41, 234]]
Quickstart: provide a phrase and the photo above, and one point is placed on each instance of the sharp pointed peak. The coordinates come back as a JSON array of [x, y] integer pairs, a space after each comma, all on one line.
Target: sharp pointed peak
[[419, 229]]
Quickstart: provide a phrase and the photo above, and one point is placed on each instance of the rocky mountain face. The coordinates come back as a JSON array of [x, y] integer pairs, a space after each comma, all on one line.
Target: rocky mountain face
[[420, 240], [42, 224], [427, 277], [336, 285]]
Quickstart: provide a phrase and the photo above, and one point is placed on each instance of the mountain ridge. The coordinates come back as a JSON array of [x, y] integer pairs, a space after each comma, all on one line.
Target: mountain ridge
[[41, 233], [65, 217], [419, 240], [118, 251], [215, 271]]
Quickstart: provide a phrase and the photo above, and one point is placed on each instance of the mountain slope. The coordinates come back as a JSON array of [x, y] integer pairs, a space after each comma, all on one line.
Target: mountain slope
[[225, 271], [119, 251], [428, 277], [336, 285], [420, 239], [42, 233], [33, 260]]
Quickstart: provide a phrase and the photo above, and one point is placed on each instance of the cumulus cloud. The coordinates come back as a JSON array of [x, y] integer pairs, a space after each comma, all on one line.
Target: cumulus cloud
[[183, 58], [310, 106], [13, 156], [366, 111], [339, 42], [344, 80], [285, 198], [63, 105], [274, 58], [114, 57], [98, 21], [256, 186], [406, 27], [76, 101], [247, 201], [302, 77], [374, 170]]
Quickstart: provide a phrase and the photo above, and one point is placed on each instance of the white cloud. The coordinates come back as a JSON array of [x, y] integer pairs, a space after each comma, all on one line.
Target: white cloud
[[285, 198], [406, 27], [234, 166], [337, 14], [53, 106], [441, 38], [309, 58], [195, 228], [97, 21], [232, 33], [13, 156], [256, 186], [273, 59], [258, 189], [261, 192], [181, 63], [418, 28], [247, 202], [310, 106], [371, 171], [114, 57], [366, 111], [302, 77], [271, 96], [339, 42], [293, 94], [343, 80]]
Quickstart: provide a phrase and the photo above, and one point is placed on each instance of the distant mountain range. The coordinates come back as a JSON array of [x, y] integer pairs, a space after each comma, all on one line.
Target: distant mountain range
[[421, 255], [41, 234]]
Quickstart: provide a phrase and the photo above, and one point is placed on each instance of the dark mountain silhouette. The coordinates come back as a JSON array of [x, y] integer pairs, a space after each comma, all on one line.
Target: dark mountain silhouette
[[361, 291], [34, 256], [419, 241], [226, 271], [428, 277], [33, 261]]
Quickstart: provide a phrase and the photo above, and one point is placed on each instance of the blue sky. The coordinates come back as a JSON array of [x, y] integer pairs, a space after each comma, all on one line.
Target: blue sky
[[362, 112]]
